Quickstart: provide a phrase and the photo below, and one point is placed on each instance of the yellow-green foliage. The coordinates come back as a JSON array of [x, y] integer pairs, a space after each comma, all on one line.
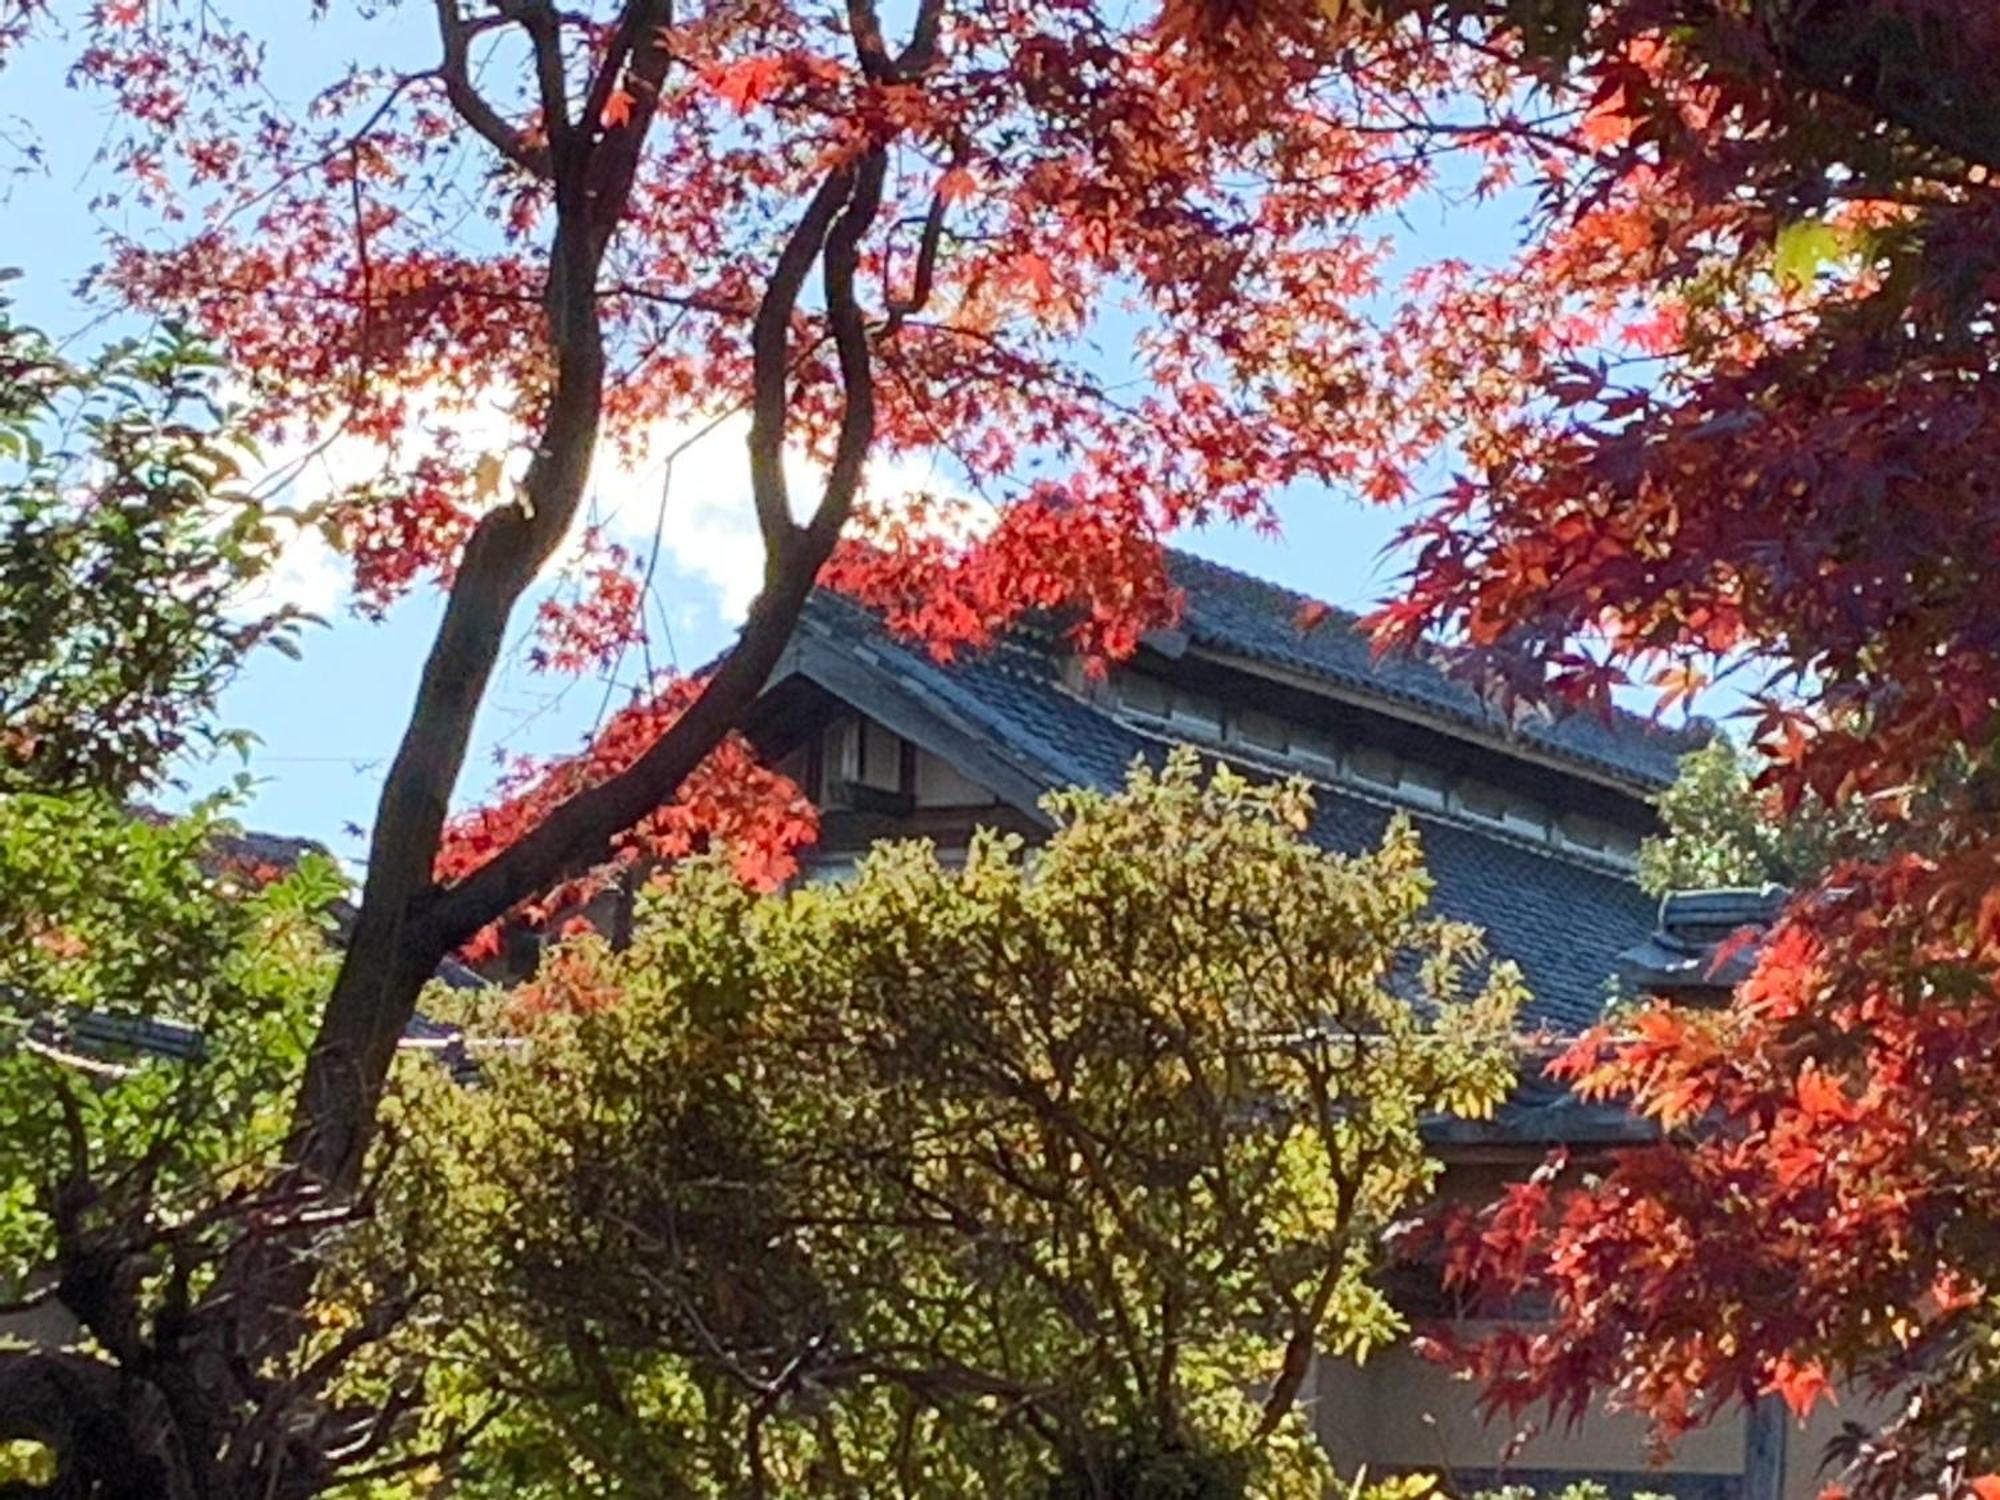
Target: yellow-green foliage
[[126, 920], [27, 1465], [1720, 832], [1029, 1177]]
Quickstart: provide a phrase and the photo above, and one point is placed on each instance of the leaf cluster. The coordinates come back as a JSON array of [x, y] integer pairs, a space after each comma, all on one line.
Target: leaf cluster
[[118, 934], [1719, 830], [127, 541], [1045, 1172]]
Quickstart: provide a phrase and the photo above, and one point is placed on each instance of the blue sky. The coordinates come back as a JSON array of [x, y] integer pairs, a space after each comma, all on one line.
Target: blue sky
[[329, 722]]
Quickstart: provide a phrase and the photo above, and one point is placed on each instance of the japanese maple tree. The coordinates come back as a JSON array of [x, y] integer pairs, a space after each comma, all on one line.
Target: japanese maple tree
[[879, 236], [1733, 406]]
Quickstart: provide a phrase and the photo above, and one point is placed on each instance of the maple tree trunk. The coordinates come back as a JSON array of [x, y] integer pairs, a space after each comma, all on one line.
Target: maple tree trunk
[[392, 951], [407, 922]]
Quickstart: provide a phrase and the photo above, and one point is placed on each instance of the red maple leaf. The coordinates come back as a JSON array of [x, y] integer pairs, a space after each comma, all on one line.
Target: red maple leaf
[[747, 83]]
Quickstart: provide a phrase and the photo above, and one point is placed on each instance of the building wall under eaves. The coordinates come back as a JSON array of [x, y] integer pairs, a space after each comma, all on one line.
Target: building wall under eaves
[[1399, 1412]]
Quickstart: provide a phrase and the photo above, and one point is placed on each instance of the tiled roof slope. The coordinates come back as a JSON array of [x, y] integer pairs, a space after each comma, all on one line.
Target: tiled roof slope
[[1245, 616], [1562, 921]]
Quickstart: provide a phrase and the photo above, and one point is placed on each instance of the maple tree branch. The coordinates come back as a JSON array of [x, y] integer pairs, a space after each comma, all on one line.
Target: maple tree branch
[[641, 53], [850, 339], [583, 831], [770, 380], [539, 20], [916, 58], [722, 307], [609, 69], [865, 26], [925, 276], [455, 70]]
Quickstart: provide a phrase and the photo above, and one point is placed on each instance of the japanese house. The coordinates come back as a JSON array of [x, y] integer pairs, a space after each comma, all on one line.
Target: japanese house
[[1531, 828]]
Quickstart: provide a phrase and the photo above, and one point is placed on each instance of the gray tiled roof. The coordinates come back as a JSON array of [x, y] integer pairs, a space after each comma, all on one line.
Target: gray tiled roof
[[1695, 945], [1245, 616], [1564, 922]]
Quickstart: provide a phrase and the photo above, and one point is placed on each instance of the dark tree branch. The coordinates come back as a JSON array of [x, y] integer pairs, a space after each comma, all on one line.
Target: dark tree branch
[[583, 831], [456, 36], [850, 339], [638, 58], [610, 68], [924, 277], [539, 19], [770, 380], [865, 26], [916, 59], [721, 307], [445, 1455]]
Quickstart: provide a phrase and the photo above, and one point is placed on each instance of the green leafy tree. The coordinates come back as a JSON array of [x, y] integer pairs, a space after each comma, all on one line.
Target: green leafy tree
[[156, 1001], [1721, 831], [126, 543], [1043, 1175]]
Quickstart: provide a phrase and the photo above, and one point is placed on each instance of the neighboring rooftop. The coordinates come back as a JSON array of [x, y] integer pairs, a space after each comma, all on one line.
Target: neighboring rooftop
[[1234, 613], [1704, 942]]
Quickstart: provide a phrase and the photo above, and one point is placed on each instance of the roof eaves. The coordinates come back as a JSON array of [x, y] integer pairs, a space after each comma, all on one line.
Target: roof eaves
[[1418, 708], [917, 700], [1214, 592]]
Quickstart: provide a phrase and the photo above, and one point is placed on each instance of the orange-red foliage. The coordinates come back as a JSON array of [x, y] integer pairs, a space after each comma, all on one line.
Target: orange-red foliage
[[1063, 179], [1734, 394], [1735, 399]]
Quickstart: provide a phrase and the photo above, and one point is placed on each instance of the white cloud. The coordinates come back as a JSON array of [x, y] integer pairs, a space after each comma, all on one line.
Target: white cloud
[[309, 575], [708, 529]]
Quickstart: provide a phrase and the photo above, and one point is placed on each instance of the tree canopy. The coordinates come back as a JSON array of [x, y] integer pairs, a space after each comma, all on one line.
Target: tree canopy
[[1047, 1174], [1752, 435], [128, 544], [1718, 829]]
